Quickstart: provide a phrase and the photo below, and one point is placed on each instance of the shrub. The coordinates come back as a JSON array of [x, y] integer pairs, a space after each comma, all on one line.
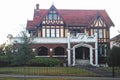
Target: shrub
[[5, 61], [48, 62], [113, 57]]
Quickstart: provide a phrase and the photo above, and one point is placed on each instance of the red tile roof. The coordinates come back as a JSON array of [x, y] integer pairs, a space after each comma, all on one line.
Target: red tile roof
[[71, 17]]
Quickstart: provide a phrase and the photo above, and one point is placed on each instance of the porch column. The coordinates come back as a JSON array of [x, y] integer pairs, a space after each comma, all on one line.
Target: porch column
[[96, 50], [69, 48], [91, 55]]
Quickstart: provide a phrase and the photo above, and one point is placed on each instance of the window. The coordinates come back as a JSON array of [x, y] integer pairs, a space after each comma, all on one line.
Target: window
[[75, 31], [102, 49], [100, 33], [47, 32], [55, 16], [52, 32], [50, 16], [42, 51], [57, 33], [59, 51], [95, 30]]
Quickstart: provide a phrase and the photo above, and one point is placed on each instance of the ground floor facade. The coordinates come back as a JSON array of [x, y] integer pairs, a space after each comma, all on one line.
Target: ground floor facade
[[78, 54], [80, 50]]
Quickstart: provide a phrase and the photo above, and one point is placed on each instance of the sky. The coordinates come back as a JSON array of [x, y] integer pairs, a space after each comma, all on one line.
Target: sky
[[15, 13]]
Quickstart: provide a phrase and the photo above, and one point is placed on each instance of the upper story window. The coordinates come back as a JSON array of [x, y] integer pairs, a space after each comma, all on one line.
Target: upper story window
[[57, 32], [52, 15], [95, 30], [52, 32], [55, 16], [75, 31], [47, 32], [100, 33]]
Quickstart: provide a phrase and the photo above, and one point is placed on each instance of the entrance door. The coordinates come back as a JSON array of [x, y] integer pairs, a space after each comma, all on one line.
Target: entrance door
[[82, 55]]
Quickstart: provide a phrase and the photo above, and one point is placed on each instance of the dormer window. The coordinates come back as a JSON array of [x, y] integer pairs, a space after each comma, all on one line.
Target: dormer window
[[55, 16], [50, 16]]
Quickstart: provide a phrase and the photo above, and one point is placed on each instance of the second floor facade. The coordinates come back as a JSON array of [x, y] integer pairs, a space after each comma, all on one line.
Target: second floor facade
[[56, 23]]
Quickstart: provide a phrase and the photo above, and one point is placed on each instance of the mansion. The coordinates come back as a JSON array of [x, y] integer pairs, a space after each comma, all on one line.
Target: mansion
[[77, 37]]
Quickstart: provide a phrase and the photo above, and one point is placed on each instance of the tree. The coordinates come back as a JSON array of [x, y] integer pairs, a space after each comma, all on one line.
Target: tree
[[114, 56], [24, 53], [6, 57]]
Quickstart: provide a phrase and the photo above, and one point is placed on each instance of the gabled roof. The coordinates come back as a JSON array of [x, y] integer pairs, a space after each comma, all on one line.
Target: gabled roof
[[71, 17], [115, 38]]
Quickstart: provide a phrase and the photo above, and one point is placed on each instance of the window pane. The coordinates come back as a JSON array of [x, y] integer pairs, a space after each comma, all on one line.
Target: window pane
[[52, 32], [95, 30], [47, 32], [50, 16], [100, 33], [55, 16], [57, 33]]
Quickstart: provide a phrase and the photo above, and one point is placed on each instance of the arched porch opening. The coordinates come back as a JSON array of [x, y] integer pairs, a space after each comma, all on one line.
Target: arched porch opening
[[82, 54]]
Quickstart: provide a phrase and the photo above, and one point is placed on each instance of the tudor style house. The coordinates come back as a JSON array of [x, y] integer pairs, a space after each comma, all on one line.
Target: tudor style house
[[77, 37]]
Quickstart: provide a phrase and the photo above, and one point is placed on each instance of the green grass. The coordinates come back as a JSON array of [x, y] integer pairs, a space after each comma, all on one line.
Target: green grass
[[69, 71], [116, 69], [39, 79]]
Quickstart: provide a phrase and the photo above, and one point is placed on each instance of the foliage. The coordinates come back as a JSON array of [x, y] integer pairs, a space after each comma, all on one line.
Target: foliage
[[114, 56], [45, 62], [6, 58], [24, 53], [1, 51]]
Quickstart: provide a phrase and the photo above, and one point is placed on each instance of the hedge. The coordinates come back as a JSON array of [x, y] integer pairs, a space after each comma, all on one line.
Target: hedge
[[48, 62]]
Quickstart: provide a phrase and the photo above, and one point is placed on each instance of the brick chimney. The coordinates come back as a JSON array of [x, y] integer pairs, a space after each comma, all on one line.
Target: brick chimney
[[37, 6]]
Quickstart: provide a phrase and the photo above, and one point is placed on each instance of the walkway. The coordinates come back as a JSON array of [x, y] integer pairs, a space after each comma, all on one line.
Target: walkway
[[68, 77], [99, 71]]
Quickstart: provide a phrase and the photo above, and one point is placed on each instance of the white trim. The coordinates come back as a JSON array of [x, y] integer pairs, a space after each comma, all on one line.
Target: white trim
[[69, 50], [42, 56], [96, 51], [84, 45], [59, 56]]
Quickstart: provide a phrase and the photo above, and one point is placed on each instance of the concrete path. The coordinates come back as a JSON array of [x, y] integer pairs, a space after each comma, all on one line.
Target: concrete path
[[69, 77]]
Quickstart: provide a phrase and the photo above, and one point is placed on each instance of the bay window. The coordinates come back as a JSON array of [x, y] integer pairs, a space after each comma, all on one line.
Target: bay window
[[52, 32]]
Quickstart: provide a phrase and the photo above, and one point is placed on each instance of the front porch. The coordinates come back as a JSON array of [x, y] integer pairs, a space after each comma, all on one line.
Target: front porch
[[82, 53]]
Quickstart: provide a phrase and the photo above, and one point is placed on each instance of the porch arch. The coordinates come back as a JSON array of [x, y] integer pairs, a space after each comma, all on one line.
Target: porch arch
[[83, 45]]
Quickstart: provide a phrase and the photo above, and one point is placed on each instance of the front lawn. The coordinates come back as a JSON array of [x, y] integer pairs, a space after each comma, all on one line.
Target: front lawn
[[109, 69], [68, 71], [39, 79]]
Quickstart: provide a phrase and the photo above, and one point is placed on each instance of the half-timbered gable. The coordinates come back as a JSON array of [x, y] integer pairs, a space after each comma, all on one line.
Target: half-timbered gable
[[100, 26]]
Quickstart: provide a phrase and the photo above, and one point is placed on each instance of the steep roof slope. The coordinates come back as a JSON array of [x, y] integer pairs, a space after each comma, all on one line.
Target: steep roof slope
[[70, 17]]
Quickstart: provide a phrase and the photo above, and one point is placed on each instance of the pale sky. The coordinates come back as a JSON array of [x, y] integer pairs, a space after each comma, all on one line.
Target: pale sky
[[15, 13]]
